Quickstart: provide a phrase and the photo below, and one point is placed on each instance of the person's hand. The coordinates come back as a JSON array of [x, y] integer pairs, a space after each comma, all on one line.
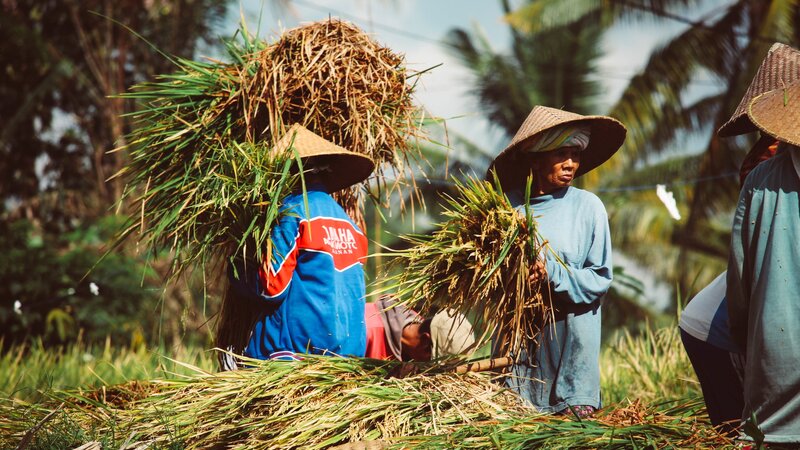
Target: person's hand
[[538, 273]]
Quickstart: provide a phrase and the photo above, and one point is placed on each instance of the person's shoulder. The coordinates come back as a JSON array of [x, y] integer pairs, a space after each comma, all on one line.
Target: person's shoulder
[[585, 198], [768, 170], [298, 199]]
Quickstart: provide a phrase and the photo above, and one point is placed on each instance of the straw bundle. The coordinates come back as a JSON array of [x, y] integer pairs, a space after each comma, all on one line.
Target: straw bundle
[[477, 262], [670, 425], [326, 402], [210, 121], [314, 403]]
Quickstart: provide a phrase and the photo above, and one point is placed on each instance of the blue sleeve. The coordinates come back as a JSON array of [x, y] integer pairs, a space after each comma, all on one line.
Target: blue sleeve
[[589, 282], [270, 280]]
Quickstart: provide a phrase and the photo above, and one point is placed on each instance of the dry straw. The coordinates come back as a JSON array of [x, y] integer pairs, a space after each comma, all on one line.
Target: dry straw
[[324, 402], [198, 171], [477, 262]]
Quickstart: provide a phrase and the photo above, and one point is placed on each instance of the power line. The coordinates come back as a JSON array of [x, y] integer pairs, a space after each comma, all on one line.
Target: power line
[[389, 28], [693, 23], [612, 190], [419, 37], [646, 187]]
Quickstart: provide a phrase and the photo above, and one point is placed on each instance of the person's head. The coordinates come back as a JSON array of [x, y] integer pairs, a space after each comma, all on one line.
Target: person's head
[[452, 334], [317, 171], [778, 69], [556, 146], [555, 169], [324, 162], [764, 149], [416, 341]]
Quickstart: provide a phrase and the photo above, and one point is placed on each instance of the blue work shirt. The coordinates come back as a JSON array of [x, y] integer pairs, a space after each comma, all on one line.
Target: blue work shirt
[[565, 370]]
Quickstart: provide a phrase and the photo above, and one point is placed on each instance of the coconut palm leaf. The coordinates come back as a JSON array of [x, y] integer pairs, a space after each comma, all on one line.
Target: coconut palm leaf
[[543, 15], [534, 73]]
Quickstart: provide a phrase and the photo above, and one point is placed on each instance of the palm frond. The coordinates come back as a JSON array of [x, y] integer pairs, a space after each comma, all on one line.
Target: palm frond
[[645, 104]]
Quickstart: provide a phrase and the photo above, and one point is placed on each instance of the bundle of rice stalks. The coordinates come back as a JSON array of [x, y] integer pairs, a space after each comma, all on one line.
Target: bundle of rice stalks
[[669, 425], [326, 402], [314, 403], [477, 262], [200, 135]]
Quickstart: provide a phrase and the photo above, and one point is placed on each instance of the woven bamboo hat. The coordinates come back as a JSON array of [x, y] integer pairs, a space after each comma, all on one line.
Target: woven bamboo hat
[[346, 168], [777, 113], [780, 68], [607, 135]]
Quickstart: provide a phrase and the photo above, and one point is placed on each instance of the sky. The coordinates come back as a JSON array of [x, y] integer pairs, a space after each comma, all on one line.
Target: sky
[[416, 29]]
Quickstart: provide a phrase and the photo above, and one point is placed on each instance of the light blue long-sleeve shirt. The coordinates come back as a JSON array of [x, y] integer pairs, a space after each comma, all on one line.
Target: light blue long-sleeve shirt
[[566, 360]]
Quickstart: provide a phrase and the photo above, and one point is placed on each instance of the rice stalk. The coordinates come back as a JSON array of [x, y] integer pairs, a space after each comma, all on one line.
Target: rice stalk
[[477, 262], [315, 403], [671, 425], [200, 172], [323, 402]]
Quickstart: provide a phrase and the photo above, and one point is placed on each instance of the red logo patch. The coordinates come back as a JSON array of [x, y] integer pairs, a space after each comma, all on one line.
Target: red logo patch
[[336, 237]]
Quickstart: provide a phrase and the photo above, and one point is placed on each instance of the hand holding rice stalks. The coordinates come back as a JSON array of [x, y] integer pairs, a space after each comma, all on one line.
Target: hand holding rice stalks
[[477, 262]]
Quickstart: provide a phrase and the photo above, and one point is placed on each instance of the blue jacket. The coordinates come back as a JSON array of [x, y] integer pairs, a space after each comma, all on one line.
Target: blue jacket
[[313, 286]]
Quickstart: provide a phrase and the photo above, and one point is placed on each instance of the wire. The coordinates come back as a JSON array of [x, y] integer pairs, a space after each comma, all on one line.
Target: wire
[[646, 187], [401, 32], [612, 190], [694, 23]]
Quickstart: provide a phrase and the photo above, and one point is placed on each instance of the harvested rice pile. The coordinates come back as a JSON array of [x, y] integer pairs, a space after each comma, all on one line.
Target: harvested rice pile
[[201, 182], [326, 402], [477, 262]]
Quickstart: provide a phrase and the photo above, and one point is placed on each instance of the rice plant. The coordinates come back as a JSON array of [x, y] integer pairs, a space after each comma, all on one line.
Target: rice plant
[[201, 174], [648, 367], [324, 402], [477, 261]]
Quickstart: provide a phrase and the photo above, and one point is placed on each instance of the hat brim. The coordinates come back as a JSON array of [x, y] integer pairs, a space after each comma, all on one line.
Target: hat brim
[[606, 137], [345, 169], [777, 113], [781, 66]]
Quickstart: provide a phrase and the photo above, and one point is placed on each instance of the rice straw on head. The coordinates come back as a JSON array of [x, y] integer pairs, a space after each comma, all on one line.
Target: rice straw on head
[[328, 76], [202, 174]]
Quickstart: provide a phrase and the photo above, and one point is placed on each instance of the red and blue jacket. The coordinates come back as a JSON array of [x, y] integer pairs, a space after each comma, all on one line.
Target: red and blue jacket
[[313, 284]]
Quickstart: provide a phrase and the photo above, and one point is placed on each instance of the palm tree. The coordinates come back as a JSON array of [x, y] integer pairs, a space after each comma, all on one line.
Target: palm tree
[[728, 44], [535, 73]]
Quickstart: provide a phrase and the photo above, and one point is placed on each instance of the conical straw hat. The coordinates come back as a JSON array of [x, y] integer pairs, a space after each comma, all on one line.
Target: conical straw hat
[[777, 113], [348, 168], [607, 135], [780, 68]]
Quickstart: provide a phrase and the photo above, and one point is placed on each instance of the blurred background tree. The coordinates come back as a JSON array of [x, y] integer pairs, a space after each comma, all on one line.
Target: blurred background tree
[[62, 63], [555, 43]]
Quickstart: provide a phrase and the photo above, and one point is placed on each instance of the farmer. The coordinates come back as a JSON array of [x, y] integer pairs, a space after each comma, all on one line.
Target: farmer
[[560, 372], [311, 284], [396, 332], [705, 334], [763, 286]]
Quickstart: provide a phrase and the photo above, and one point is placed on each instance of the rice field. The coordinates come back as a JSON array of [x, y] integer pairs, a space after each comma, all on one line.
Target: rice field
[[136, 398]]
